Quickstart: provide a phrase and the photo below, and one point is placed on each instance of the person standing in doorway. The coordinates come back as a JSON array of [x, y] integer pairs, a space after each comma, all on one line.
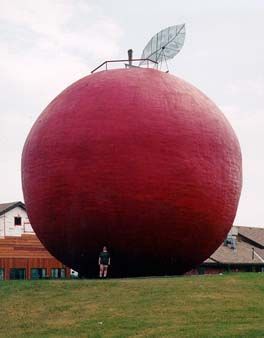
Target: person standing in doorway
[[104, 262]]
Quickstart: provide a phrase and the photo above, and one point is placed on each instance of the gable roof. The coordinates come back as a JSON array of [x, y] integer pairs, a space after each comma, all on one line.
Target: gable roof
[[25, 246], [255, 235], [5, 207], [242, 255]]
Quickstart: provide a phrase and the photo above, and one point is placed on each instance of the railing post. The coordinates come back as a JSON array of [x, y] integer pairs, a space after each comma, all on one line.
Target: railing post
[[130, 57]]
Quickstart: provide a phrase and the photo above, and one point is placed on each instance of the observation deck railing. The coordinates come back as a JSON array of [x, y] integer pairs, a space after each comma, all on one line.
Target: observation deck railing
[[128, 65]]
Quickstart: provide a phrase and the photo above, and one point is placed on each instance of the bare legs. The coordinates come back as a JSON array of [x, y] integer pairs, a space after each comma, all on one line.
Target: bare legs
[[103, 271]]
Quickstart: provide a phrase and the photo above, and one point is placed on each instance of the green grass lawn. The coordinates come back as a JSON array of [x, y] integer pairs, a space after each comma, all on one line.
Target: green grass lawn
[[230, 305]]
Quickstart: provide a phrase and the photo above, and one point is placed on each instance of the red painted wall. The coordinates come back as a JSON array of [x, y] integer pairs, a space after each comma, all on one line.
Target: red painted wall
[[138, 160]]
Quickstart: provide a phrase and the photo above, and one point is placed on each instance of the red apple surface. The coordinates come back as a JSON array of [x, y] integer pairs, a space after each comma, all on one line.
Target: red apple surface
[[135, 159]]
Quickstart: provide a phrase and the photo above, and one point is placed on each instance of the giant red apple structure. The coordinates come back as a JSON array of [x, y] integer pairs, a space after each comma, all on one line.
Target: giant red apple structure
[[135, 159]]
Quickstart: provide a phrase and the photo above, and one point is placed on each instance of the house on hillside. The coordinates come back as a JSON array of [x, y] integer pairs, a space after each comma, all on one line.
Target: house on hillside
[[22, 256]]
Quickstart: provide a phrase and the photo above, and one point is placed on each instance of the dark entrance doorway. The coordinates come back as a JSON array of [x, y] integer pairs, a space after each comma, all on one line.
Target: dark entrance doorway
[[17, 273]]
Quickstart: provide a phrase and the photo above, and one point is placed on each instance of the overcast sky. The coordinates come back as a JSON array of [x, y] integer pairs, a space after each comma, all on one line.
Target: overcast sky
[[45, 45]]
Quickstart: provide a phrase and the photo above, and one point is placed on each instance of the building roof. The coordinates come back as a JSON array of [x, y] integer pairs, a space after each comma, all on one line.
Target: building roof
[[243, 254], [5, 207], [253, 234], [26, 246]]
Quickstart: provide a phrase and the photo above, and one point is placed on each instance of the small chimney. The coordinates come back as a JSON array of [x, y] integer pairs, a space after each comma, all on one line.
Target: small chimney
[[130, 57]]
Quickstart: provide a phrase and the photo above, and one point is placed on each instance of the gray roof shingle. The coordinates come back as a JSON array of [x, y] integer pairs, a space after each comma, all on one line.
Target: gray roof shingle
[[242, 255], [4, 207], [253, 234]]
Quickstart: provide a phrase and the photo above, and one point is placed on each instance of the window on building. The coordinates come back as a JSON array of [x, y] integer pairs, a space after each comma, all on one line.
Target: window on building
[[1, 274], [18, 273], [18, 220], [62, 273], [57, 273], [201, 270], [38, 273]]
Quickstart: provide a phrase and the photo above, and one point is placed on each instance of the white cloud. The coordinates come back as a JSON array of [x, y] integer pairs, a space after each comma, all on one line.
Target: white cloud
[[248, 126], [47, 44], [73, 27], [247, 87]]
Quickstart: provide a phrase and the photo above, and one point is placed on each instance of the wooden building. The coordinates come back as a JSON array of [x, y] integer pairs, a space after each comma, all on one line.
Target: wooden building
[[22, 256], [242, 251]]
